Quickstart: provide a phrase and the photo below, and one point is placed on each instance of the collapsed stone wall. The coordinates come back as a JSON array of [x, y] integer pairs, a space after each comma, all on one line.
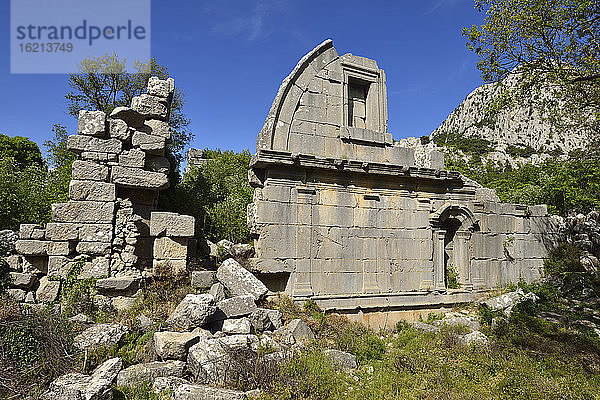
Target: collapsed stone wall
[[110, 220]]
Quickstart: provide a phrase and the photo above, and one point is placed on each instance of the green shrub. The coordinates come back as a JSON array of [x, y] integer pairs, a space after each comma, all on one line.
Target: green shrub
[[520, 150], [452, 277], [139, 391], [362, 342], [470, 145], [76, 294], [563, 258], [4, 275]]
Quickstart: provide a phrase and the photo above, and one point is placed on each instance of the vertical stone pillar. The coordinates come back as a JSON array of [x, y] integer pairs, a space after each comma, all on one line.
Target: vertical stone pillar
[[304, 241], [438, 259], [462, 259]]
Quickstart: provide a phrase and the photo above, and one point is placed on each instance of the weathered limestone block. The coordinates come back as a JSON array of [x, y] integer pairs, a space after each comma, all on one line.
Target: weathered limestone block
[[31, 231], [165, 385], [102, 158], [15, 262], [157, 127], [93, 248], [194, 311], [237, 326], [171, 224], [98, 267], [59, 266], [202, 279], [91, 123], [100, 335], [35, 265], [89, 170], [132, 158], [48, 290], [96, 233], [203, 392], [475, 338], [131, 117], [240, 281], [217, 290], [175, 345], [63, 248], [83, 211], [149, 106], [149, 143], [158, 164], [296, 330], [238, 306], [147, 372], [89, 190], [17, 294], [161, 88], [59, 231], [22, 280], [118, 129], [80, 143], [166, 248], [264, 319], [119, 285], [32, 247], [139, 178], [341, 359]]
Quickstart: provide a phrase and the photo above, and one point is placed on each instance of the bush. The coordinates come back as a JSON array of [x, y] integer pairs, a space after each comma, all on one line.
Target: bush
[[36, 346], [76, 294], [563, 258], [470, 145]]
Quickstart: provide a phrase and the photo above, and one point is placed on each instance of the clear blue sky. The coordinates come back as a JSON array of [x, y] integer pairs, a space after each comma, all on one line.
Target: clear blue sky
[[231, 56]]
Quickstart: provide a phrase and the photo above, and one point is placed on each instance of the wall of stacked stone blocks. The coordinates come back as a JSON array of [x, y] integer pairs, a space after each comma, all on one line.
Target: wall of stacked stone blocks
[[344, 215], [109, 221]]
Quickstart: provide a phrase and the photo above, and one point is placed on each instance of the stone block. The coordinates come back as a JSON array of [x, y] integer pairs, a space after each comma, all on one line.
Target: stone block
[[48, 290], [32, 247], [194, 311], [160, 88], [150, 107], [149, 143], [295, 331], [118, 129], [59, 266], [121, 285], [148, 372], [93, 248], [22, 280], [99, 335], [83, 211], [203, 392], [238, 306], [158, 164], [202, 279], [89, 170], [60, 231], [97, 268], [175, 345], [132, 158], [63, 248], [102, 158], [91, 123], [217, 290], [91, 190], [170, 248], [80, 143], [171, 224], [341, 359], [17, 294], [96, 233], [31, 231], [240, 281], [15, 263], [139, 178], [237, 326], [131, 117], [157, 128]]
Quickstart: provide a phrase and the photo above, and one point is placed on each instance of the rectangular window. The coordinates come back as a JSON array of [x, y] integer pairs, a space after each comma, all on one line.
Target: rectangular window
[[357, 103]]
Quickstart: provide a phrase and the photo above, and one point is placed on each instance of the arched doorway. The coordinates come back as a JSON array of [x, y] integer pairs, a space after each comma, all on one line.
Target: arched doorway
[[452, 226]]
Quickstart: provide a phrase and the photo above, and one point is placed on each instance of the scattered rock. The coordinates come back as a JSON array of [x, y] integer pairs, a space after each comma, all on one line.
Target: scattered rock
[[457, 319], [423, 327], [238, 306], [240, 326], [218, 292], [202, 279], [81, 319], [149, 372], [239, 281], [507, 301], [174, 345], [100, 335], [295, 331], [203, 392], [194, 311], [341, 359], [167, 384], [475, 338]]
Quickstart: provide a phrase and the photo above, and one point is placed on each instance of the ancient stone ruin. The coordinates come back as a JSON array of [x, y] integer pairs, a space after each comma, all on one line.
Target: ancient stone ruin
[[109, 221], [344, 216]]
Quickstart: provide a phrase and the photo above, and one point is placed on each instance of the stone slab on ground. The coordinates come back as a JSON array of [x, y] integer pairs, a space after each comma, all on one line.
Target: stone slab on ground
[[100, 335], [203, 392], [175, 345], [239, 281], [341, 359], [194, 311], [233, 307], [148, 372]]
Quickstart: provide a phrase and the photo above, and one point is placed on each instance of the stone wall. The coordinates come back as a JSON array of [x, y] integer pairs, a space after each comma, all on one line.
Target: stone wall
[[342, 215], [110, 220]]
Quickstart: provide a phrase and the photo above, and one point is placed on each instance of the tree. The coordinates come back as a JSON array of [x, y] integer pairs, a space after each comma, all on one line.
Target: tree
[[104, 84], [553, 44], [22, 150], [60, 161]]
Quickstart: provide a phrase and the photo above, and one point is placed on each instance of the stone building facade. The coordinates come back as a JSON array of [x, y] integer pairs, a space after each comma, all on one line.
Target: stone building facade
[[344, 216]]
